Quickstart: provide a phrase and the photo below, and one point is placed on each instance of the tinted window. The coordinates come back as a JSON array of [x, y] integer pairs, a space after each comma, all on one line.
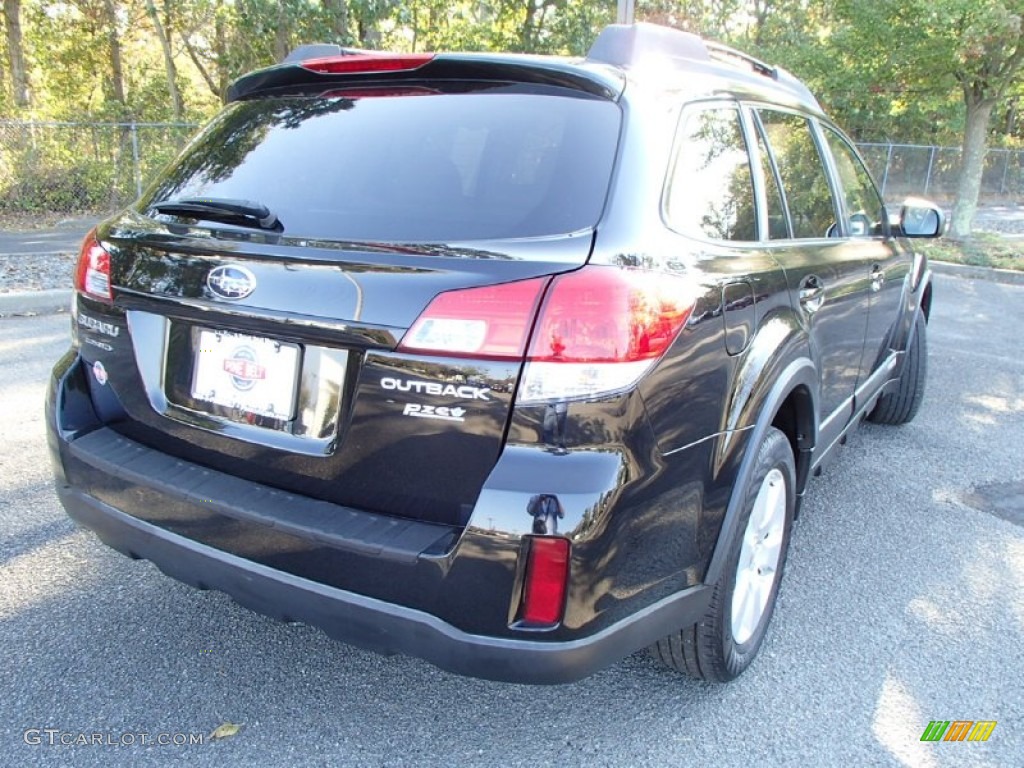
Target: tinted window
[[434, 167], [864, 208], [778, 225], [710, 192], [804, 180]]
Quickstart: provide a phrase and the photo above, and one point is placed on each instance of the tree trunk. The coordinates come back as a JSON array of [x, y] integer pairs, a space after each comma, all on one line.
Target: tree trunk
[[221, 51], [15, 52], [172, 71], [114, 41], [338, 11], [282, 36], [979, 113], [527, 30], [203, 71]]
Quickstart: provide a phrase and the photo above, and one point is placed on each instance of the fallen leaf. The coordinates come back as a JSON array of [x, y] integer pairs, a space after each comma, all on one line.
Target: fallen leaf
[[225, 730]]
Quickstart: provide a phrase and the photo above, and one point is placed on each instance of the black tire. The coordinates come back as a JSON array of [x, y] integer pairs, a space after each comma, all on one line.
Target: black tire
[[902, 404], [708, 650]]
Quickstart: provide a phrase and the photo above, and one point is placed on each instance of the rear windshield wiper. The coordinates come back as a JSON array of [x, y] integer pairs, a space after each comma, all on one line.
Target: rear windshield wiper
[[242, 212]]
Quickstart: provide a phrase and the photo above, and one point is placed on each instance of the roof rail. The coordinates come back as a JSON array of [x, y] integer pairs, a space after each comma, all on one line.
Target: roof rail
[[626, 45], [725, 53]]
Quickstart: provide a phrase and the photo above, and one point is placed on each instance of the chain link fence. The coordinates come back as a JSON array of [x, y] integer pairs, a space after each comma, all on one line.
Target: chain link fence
[[933, 172], [52, 167]]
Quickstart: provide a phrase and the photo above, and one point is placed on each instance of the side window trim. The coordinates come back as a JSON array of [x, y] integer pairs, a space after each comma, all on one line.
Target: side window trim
[[756, 176], [761, 137]]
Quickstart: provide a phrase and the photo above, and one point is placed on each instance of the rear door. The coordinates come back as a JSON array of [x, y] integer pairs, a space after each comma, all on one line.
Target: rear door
[[827, 275]]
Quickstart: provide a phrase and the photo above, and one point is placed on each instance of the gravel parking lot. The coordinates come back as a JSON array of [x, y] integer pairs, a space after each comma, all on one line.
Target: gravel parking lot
[[902, 604]]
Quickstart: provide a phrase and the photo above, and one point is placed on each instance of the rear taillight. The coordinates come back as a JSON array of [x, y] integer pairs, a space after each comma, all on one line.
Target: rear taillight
[[366, 63], [547, 574], [491, 322], [600, 329], [92, 275]]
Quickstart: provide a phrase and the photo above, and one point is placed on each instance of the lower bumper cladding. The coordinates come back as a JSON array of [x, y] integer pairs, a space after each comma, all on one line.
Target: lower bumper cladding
[[374, 624]]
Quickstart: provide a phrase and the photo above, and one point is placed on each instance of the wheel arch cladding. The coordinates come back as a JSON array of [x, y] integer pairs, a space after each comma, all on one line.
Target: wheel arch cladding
[[795, 388]]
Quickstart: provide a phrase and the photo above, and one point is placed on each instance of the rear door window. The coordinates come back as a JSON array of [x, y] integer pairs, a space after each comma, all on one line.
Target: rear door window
[[418, 166], [805, 184]]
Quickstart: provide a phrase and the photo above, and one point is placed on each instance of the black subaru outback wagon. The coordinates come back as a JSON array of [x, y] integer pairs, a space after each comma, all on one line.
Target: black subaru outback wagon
[[516, 364]]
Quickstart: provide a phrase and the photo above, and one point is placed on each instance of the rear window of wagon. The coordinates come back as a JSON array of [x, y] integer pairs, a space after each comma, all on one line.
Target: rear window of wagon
[[483, 165]]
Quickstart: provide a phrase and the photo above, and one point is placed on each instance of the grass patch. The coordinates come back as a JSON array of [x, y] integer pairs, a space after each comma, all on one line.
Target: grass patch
[[981, 250]]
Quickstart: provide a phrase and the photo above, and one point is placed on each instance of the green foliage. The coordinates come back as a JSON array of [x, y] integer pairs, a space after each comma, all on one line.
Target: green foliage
[[911, 71], [982, 250], [85, 186]]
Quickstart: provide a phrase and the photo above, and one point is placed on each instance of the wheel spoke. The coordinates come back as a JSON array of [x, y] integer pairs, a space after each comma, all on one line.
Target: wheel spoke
[[774, 504], [768, 554], [762, 515], [760, 552], [750, 613]]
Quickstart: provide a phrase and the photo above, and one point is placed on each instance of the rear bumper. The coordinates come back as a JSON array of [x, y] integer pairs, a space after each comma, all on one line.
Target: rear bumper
[[216, 531], [370, 623]]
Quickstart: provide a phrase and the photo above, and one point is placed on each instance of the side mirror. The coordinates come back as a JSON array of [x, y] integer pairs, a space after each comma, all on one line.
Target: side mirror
[[919, 218]]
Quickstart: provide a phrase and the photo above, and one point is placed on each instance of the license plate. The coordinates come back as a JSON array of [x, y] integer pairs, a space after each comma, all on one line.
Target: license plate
[[246, 373]]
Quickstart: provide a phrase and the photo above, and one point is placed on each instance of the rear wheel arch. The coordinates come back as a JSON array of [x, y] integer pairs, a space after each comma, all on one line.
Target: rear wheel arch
[[726, 639], [794, 417], [793, 395]]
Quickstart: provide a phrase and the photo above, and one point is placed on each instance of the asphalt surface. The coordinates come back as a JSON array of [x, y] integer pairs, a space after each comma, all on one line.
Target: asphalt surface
[[65, 237], [901, 604]]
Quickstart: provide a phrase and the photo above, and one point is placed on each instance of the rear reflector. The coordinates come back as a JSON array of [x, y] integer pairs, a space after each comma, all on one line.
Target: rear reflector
[[600, 329], [547, 573], [490, 322], [92, 275], [366, 63]]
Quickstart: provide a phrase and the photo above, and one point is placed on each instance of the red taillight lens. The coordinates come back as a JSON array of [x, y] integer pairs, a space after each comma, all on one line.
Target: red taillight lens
[[547, 574], [601, 328], [92, 275], [490, 322], [366, 63], [610, 315]]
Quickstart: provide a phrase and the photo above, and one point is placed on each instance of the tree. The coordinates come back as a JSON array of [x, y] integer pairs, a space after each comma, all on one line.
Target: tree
[[163, 35], [337, 14], [116, 66], [15, 52], [934, 47], [990, 57]]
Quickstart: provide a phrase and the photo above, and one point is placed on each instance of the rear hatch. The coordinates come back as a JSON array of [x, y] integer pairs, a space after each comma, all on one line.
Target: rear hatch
[[267, 282]]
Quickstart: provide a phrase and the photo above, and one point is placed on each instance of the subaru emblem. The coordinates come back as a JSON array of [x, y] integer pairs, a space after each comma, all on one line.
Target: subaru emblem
[[231, 281]]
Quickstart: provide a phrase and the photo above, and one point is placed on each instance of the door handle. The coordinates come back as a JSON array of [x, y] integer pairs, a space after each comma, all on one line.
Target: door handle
[[812, 293], [877, 277]]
